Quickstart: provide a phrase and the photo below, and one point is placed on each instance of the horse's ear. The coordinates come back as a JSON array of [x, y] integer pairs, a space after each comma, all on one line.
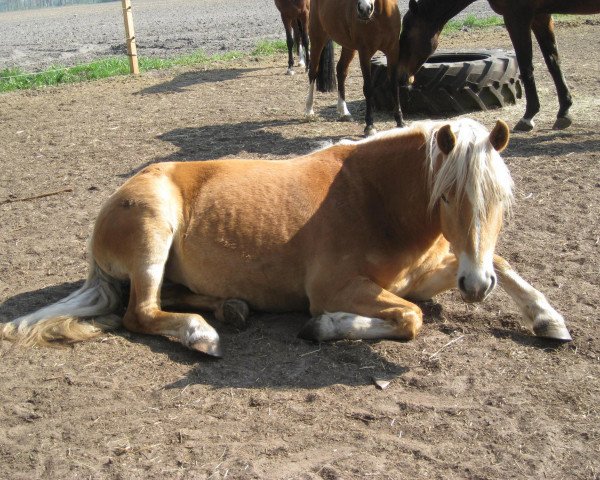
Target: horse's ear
[[445, 139], [499, 136], [413, 7]]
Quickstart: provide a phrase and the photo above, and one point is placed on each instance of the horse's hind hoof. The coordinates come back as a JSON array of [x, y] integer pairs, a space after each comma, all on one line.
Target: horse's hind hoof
[[290, 72], [549, 329], [345, 118], [234, 312], [562, 122], [524, 125]]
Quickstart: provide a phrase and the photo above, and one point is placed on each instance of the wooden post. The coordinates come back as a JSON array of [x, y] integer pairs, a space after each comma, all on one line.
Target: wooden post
[[130, 36]]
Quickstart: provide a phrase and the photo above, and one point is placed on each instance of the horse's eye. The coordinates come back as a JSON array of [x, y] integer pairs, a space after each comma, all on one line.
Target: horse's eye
[[444, 198]]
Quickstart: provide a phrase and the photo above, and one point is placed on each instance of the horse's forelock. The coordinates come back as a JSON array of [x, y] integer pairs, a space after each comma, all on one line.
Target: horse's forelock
[[473, 168]]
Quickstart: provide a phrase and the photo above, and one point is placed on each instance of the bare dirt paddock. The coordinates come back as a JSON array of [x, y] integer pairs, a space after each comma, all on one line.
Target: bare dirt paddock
[[474, 396]]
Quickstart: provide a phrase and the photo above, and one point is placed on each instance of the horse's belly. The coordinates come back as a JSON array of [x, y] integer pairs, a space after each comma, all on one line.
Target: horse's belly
[[267, 282]]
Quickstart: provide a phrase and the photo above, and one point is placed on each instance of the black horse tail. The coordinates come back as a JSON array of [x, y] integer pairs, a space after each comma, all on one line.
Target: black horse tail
[[326, 76]]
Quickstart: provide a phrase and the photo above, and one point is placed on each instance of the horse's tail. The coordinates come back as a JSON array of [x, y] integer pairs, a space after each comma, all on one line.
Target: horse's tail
[[99, 297], [326, 76]]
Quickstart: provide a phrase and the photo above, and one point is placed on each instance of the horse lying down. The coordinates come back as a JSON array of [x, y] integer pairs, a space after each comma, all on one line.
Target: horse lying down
[[349, 233]]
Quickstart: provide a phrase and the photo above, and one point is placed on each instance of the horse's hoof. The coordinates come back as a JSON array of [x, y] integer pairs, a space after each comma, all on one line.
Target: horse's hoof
[[234, 312], [311, 330], [310, 117], [524, 125], [370, 131], [562, 122], [290, 72], [302, 65], [546, 328], [209, 347], [345, 118]]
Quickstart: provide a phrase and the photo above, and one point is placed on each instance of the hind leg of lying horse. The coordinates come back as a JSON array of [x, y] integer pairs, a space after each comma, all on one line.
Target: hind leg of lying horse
[[232, 311], [133, 238]]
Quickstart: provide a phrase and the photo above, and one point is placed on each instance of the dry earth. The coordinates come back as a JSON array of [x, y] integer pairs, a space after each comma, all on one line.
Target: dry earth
[[37, 39], [496, 403]]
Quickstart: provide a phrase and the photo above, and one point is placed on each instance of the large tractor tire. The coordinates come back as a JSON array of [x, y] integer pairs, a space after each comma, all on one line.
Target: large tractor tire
[[453, 82]]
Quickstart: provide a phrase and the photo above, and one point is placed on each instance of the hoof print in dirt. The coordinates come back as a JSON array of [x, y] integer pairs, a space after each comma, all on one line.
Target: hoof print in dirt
[[453, 82]]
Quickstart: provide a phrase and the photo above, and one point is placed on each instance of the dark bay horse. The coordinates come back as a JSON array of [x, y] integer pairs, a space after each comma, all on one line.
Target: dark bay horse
[[365, 26], [349, 233], [425, 19], [294, 14]]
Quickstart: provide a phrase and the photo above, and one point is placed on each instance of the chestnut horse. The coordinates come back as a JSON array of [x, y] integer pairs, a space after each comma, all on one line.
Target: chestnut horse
[[365, 26], [349, 232], [294, 14], [424, 21]]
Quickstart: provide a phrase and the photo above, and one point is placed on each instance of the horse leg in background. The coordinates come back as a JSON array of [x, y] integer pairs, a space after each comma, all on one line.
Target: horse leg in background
[[289, 38], [362, 309], [365, 67], [231, 311], [342, 73], [393, 78], [303, 25], [543, 29], [518, 23], [318, 40], [537, 312]]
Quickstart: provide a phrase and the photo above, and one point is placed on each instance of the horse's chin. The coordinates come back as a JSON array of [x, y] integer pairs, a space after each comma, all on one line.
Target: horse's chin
[[365, 18]]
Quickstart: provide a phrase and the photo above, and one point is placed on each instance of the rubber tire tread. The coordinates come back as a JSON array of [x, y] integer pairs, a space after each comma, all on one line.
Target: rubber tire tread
[[452, 87]]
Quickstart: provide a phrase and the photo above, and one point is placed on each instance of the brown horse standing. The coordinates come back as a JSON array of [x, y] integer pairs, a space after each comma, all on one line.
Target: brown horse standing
[[294, 14], [365, 26], [348, 232], [424, 21]]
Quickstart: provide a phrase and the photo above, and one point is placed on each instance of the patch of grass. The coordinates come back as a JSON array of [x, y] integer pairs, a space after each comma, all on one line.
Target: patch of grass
[[16, 79], [471, 21], [269, 47]]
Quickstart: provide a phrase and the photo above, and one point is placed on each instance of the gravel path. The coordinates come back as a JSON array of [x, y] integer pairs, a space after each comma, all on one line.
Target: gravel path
[[37, 39]]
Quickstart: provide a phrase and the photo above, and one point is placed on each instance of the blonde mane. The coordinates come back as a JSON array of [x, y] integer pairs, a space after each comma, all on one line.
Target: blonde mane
[[473, 167]]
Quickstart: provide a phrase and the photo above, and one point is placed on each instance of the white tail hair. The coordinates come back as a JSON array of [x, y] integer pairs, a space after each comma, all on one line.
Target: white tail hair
[[98, 298]]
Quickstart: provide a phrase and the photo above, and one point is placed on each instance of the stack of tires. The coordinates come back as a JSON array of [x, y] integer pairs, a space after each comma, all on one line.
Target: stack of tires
[[453, 82]]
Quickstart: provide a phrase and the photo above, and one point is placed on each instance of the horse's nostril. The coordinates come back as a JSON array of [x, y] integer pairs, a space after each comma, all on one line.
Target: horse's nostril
[[461, 284], [493, 281]]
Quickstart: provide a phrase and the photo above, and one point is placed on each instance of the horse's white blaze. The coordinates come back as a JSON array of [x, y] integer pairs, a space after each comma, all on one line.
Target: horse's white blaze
[[342, 108], [309, 112]]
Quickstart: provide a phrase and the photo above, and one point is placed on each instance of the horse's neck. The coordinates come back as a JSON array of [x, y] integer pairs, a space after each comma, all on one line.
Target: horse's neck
[[395, 174], [441, 11]]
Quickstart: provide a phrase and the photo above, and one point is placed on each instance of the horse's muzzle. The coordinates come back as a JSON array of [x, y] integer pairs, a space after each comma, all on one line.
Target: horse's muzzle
[[476, 291], [365, 10]]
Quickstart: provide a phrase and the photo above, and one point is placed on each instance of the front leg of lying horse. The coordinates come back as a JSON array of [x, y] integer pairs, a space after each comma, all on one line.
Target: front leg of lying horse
[[537, 312], [363, 310]]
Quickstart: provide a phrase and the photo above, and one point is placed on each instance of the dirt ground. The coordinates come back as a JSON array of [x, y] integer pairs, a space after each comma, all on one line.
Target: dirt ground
[[474, 396]]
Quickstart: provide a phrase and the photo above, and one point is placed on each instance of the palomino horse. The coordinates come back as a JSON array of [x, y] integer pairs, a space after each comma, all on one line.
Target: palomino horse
[[363, 25], [348, 232], [294, 14], [424, 21]]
